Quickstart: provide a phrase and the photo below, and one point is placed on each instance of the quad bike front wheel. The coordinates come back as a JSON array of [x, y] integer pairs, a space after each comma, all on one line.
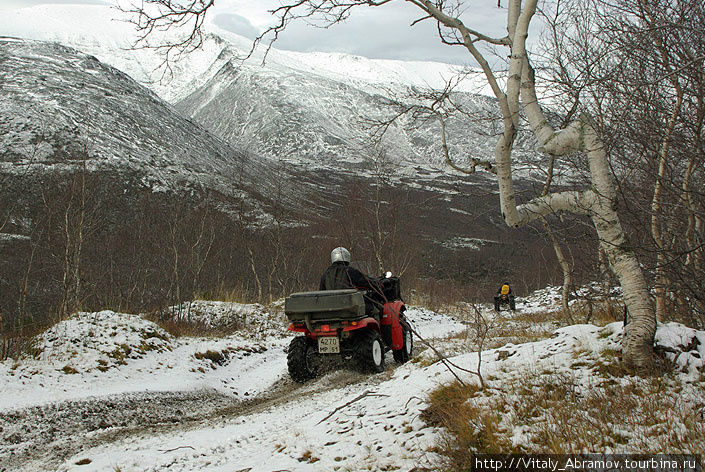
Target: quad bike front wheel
[[369, 352], [404, 354], [302, 359]]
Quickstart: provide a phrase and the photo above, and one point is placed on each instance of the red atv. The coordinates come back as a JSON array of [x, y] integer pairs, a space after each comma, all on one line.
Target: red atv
[[335, 323]]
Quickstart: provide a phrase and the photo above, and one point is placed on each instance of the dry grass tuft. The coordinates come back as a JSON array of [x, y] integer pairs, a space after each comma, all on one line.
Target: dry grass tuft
[[635, 414], [67, 369], [599, 313], [470, 425], [222, 294], [18, 342], [216, 357], [308, 456], [558, 413], [183, 328]]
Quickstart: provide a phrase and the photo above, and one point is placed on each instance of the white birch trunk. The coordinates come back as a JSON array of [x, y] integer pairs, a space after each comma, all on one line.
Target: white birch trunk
[[565, 267], [661, 288], [598, 202]]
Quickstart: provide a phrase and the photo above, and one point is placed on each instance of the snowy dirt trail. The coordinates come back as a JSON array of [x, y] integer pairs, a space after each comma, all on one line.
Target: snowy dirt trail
[[43, 437], [342, 420], [90, 427]]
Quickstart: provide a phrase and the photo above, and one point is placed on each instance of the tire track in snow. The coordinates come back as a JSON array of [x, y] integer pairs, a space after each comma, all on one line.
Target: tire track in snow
[[38, 437]]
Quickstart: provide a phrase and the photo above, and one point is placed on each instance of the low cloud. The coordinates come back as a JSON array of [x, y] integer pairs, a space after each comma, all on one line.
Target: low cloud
[[376, 38], [236, 24], [376, 32]]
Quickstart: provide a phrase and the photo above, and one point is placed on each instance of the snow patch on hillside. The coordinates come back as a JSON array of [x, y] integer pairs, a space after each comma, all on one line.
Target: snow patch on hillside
[[253, 318], [107, 353], [684, 346]]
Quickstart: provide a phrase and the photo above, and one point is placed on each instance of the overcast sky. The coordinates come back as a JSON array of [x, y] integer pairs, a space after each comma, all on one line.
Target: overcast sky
[[381, 32]]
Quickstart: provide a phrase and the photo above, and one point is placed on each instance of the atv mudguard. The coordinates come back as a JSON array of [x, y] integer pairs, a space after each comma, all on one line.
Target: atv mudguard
[[390, 317]]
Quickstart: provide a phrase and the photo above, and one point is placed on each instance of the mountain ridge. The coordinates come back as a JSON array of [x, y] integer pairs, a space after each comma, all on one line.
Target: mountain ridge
[[62, 108], [312, 80]]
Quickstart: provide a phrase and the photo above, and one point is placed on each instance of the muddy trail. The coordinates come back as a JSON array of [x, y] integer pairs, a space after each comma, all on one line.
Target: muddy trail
[[43, 437]]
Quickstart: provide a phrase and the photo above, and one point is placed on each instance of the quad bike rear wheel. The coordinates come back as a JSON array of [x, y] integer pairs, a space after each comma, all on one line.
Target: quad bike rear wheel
[[368, 352], [302, 359], [404, 354]]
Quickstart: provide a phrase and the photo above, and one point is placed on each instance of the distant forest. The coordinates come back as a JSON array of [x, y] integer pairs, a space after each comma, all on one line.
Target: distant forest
[[91, 241]]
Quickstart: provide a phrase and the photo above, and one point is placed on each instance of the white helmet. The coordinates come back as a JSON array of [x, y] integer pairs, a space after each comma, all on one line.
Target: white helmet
[[339, 254]]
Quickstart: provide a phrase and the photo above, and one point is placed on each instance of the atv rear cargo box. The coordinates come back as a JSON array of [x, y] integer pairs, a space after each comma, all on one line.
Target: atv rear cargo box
[[345, 304]]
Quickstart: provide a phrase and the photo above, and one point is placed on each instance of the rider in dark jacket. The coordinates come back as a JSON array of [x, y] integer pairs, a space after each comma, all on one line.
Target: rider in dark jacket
[[341, 275]]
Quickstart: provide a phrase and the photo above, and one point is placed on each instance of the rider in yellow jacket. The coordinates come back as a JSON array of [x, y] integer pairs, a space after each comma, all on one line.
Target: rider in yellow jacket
[[504, 295]]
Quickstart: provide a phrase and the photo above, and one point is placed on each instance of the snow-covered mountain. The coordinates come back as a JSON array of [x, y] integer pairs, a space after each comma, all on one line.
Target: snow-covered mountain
[[60, 106], [107, 34], [320, 121], [310, 109]]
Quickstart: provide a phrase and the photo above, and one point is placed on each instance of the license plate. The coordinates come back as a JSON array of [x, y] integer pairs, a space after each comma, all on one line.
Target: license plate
[[329, 345]]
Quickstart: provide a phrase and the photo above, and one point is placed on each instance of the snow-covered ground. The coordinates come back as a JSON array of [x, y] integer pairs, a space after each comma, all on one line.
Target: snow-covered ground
[[110, 391], [99, 354], [105, 353]]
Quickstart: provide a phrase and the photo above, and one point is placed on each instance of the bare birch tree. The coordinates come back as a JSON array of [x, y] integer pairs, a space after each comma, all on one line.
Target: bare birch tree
[[515, 92], [638, 66]]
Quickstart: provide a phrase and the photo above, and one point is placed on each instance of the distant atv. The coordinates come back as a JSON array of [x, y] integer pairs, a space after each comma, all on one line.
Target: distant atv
[[504, 299], [334, 323]]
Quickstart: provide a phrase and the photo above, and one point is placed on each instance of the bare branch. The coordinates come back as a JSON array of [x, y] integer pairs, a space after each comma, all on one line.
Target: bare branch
[[415, 22], [474, 162], [186, 17], [176, 449], [444, 360], [423, 106], [367, 393]]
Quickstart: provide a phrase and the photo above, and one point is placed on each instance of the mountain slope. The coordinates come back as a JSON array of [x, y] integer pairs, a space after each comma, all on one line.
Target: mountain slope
[[61, 106], [310, 108], [107, 34]]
